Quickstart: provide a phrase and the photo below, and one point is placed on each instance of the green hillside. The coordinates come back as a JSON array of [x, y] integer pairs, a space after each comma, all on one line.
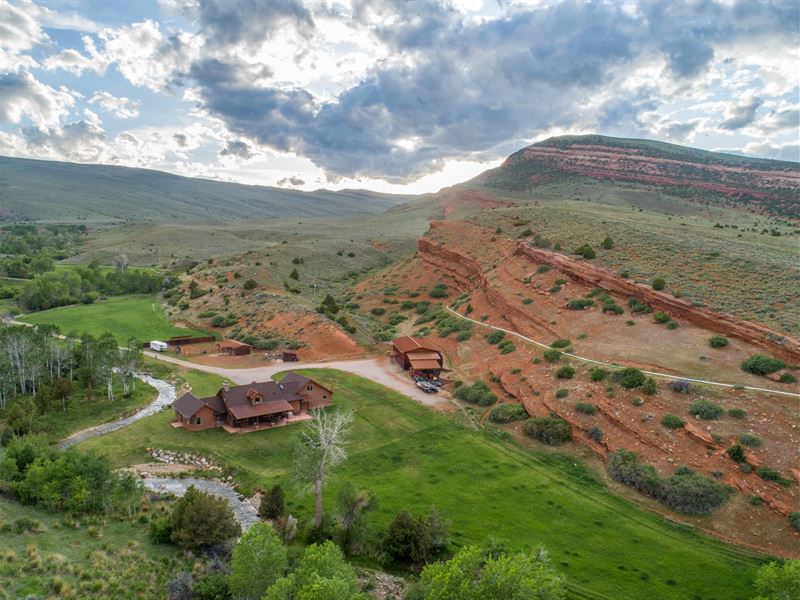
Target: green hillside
[[58, 191]]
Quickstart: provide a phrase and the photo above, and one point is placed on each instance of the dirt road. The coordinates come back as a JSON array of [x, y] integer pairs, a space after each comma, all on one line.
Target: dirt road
[[379, 370]]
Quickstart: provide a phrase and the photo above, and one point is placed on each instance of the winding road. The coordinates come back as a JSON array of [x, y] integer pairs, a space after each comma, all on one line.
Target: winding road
[[613, 366]]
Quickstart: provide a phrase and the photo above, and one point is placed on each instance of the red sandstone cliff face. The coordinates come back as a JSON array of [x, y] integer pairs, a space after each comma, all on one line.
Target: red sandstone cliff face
[[753, 333]]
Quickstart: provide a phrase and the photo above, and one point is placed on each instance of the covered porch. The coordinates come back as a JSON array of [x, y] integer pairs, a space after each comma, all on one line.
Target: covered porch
[[265, 422]]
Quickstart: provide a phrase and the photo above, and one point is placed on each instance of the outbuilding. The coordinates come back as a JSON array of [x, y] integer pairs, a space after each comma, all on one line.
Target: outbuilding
[[414, 355], [234, 348]]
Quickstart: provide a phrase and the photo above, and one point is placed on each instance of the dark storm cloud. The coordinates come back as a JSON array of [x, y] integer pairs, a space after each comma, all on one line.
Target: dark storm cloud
[[181, 139], [466, 88], [236, 148], [742, 115], [294, 180]]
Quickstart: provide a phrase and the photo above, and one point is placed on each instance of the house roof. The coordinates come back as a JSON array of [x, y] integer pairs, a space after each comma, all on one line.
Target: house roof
[[423, 354], [233, 344], [244, 411], [299, 381], [407, 344], [424, 364], [188, 404]]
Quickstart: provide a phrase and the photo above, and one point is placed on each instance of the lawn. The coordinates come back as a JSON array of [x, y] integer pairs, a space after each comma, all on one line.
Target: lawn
[[140, 317], [66, 560], [413, 458]]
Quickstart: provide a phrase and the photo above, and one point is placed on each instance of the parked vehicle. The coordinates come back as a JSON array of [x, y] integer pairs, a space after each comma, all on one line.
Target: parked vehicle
[[158, 346], [427, 387]]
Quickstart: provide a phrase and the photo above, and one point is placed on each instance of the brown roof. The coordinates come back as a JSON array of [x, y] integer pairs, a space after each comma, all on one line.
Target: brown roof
[[424, 364], [245, 411], [233, 344], [188, 404], [299, 381], [407, 343], [423, 354]]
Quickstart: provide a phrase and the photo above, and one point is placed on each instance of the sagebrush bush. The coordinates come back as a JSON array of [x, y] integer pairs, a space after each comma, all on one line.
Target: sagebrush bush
[[552, 355], [477, 393], [661, 317], [680, 385], [750, 439], [718, 341], [596, 434], [736, 453], [737, 413], [550, 430], [586, 408], [629, 378], [705, 409], [507, 413], [692, 494], [598, 374], [758, 364], [671, 421], [562, 393], [565, 372], [495, 336], [770, 474], [560, 343]]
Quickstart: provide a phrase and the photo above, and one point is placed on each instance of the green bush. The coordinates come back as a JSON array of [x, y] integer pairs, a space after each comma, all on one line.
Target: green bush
[[737, 413], [750, 439], [439, 291], [560, 343], [787, 378], [200, 520], [586, 408], [495, 336], [565, 372], [506, 347], [629, 378], [659, 283], [507, 412], [736, 453], [794, 520], [596, 434], [477, 393], [770, 474], [758, 364], [705, 409], [272, 503], [463, 336], [562, 393], [671, 421], [718, 341], [552, 431], [543, 269], [672, 325], [378, 311], [414, 540], [623, 466], [580, 304], [608, 243], [552, 355], [598, 374], [649, 386], [250, 284], [586, 251], [661, 317], [637, 306], [692, 494]]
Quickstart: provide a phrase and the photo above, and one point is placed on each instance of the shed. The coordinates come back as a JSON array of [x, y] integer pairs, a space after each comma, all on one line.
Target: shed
[[417, 356], [289, 356], [233, 348]]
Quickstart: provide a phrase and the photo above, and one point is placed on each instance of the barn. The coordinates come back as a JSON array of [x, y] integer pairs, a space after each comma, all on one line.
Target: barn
[[233, 348], [416, 356]]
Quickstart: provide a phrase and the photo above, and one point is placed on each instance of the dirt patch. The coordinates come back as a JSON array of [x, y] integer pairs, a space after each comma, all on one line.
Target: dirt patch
[[320, 338]]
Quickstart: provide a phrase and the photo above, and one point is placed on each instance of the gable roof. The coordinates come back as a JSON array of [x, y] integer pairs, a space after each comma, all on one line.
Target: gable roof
[[232, 344], [244, 411], [406, 344], [296, 381], [188, 404]]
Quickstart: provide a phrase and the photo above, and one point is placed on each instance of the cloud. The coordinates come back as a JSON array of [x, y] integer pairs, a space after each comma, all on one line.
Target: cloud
[[293, 180], [80, 141], [123, 108], [741, 115], [787, 151], [780, 120], [22, 95], [236, 148]]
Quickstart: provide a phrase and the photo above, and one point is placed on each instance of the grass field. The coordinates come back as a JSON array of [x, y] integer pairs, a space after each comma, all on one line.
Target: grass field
[[413, 458], [140, 317], [111, 560]]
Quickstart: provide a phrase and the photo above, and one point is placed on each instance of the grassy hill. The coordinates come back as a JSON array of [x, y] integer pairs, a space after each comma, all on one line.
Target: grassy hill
[[58, 191], [595, 161]]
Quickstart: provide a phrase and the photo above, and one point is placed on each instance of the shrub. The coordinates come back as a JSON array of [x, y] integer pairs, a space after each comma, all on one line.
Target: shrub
[[671, 421], [637, 401], [527, 300], [378, 311], [495, 336], [794, 520], [463, 336], [659, 283], [718, 341], [596, 434], [272, 503], [623, 466], [565, 372], [415, 540], [439, 291], [580, 304], [250, 284], [477, 393], [586, 251], [736, 453], [507, 413], [705, 409], [200, 520], [598, 374], [560, 343], [211, 586], [637, 306], [294, 274], [506, 347], [692, 494], [629, 378], [758, 364], [672, 325], [543, 269], [649, 386], [660, 317], [737, 413], [586, 408], [562, 393], [552, 355], [680, 385], [770, 474], [787, 378], [550, 430], [750, 439], [160, 529], [608, 243]]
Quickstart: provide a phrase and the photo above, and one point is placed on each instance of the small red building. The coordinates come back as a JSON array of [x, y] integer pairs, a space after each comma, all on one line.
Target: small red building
[[233, 348], [416, 356]]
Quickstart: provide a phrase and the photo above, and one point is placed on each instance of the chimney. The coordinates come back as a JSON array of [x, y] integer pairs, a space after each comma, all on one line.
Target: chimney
[[226, 386]]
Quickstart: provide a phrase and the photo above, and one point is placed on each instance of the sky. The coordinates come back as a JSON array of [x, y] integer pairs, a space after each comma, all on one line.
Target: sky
[[390, 95]]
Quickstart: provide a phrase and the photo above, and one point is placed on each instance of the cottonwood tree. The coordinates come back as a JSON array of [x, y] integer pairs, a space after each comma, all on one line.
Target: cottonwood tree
[[107, 360], [258, 561], [129, 362], [319, 449]]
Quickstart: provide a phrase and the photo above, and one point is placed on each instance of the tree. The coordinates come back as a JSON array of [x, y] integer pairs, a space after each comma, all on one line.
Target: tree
[[272, 504], [251, 284], [200, 520], [410, 539], [483, 573], [294, 274], [608, 243], [659, 283], [778, 582], [107, 360], [259, 559], [352, 508], [130, 359], [319, 449], [322, 574]]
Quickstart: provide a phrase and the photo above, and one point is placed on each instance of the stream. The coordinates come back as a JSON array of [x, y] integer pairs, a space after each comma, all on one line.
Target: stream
[[166, 396], [244, 512]]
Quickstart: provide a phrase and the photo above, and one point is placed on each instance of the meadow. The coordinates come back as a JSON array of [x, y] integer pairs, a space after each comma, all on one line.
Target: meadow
[[126, 317], [484, 484]]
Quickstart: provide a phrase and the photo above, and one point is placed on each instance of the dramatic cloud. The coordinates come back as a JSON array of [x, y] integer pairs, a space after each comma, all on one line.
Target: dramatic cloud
[[742, 115], [21, 95], [236, 148]]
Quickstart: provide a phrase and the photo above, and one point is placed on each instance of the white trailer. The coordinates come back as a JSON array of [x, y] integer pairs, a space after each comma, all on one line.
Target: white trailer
[[158, 346]]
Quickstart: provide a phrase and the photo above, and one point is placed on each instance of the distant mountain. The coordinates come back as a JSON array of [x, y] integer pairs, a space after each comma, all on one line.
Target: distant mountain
[[767, 186], [58, 191]]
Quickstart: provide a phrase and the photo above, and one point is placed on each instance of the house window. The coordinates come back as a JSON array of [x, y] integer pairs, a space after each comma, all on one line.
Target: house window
[[257, 400], [195, 421], [309, 387], [324, 396]]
